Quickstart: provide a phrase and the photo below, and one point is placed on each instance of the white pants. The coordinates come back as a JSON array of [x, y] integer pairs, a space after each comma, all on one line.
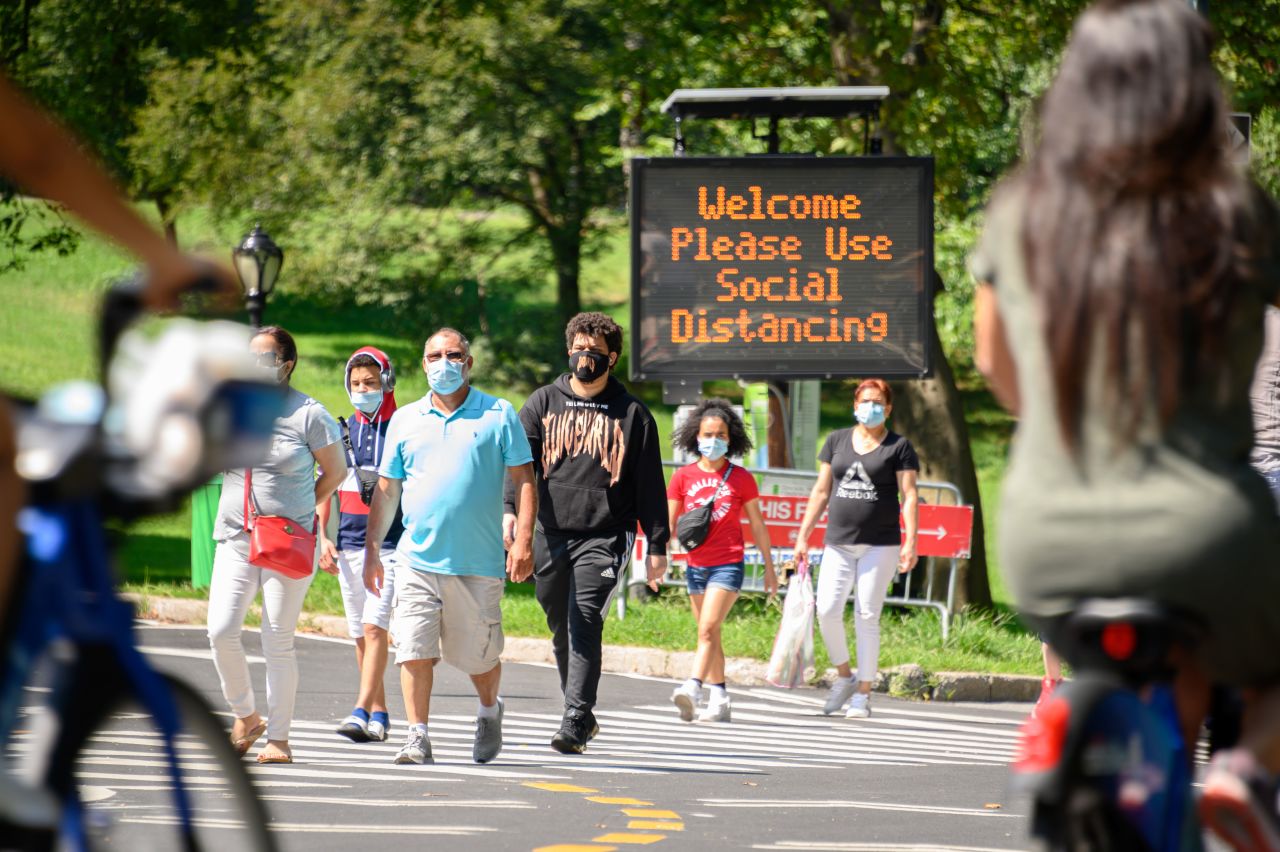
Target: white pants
[[360, 606], [234, 585], [871, 569]]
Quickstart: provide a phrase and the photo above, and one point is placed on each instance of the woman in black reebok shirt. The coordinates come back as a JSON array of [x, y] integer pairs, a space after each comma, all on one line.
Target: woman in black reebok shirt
[[862, 471]]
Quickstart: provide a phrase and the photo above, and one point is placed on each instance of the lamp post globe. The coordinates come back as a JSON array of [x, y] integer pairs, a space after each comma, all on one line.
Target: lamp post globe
[[257, 261]]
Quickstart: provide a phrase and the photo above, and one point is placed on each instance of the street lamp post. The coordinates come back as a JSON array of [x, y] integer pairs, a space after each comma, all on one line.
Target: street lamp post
[[257, 260]]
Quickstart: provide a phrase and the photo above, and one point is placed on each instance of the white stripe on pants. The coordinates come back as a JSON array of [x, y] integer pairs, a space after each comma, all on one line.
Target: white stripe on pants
[[872, 569], [234, 585]]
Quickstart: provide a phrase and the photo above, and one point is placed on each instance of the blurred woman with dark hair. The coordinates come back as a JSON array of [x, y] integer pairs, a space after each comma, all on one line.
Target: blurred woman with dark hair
[[285, 485], [1131, 262], [715, 433]]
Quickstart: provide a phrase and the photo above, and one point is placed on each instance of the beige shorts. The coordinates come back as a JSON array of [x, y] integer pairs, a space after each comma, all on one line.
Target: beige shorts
[[461, 615]]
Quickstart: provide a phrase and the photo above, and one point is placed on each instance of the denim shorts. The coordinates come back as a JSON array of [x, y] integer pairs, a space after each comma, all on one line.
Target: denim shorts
[[722, 576]]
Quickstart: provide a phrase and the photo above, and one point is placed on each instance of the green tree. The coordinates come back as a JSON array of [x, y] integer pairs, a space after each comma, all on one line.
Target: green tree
[[89, 63]]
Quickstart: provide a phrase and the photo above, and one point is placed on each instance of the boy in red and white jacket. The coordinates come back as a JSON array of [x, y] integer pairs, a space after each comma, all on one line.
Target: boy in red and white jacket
[[370, 382]]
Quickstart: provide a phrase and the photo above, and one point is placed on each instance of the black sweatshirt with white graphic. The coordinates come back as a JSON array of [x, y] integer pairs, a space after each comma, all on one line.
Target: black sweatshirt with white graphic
[[597, 462]]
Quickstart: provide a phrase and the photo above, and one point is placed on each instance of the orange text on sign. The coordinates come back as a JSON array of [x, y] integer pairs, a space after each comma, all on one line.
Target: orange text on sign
[[695, 326], [755, 205]]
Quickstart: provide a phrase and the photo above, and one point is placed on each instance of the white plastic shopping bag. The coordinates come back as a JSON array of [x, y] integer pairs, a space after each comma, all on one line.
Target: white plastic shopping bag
[[793, 647]]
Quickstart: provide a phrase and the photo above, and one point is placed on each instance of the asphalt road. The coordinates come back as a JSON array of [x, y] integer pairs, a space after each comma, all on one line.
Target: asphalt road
[[780, 776]]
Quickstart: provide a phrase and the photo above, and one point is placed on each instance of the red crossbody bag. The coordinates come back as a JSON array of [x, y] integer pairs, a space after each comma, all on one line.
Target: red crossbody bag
[[275, 542]]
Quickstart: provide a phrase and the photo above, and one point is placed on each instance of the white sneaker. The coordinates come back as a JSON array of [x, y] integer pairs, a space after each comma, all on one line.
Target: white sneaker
[[686, 697], [717, 709], [841, 691], [377, 731], [859, 706]]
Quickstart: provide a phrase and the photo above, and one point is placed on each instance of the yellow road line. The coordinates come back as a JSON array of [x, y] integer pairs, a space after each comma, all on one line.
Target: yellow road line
[[559, 788], [656, 825], [637, 839], [617, 800], [652, 813]]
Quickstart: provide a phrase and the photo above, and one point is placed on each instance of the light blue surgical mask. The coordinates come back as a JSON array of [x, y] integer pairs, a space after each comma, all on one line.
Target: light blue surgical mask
[[713, 448], [366, 401], [446, 376], [869, 413]]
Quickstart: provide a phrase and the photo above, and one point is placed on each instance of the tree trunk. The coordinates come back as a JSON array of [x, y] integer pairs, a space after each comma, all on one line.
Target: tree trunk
[[930, 413], [566, 250], [168, 219]]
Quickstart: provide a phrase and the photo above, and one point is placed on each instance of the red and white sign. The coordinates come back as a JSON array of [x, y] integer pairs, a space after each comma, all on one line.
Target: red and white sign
[[942, 531]]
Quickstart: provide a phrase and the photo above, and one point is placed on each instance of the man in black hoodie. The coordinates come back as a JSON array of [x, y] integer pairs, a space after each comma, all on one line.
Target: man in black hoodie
[[599, 471]]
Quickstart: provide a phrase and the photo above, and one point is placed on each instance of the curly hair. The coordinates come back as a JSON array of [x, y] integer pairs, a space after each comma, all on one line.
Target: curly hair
[[594, 324], [686, 437]]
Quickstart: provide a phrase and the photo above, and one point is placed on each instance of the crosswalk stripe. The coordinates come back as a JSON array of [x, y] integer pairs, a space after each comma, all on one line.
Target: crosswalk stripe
[[769, 731], [860, 805]]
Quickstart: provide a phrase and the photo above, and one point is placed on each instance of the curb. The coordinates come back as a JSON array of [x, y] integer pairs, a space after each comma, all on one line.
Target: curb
[[905, 681]]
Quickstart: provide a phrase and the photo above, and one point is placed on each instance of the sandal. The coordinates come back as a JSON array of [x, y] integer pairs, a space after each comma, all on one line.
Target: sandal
[[263, 757], [243, 744]]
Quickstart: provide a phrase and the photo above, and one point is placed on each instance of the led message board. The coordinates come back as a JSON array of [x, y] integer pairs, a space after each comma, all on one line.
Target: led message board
[[781, 267]]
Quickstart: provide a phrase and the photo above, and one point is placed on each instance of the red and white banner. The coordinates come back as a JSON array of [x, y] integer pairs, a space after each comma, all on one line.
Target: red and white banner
[[943, 531]]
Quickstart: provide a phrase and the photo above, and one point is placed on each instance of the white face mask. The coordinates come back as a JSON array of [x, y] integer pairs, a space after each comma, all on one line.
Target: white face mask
[[366, 401]]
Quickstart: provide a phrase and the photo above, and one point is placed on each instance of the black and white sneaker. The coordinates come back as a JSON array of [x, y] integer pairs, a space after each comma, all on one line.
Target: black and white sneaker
[[578, 728]]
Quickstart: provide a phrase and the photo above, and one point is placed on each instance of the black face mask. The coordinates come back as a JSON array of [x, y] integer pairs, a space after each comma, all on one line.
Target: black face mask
[[588, 366]]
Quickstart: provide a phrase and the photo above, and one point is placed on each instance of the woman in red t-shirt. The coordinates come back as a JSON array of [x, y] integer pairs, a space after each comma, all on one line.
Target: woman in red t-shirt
[[715, 570]]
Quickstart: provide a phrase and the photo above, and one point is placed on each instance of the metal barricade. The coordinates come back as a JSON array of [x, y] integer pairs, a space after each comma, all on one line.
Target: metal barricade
[[943, 538]]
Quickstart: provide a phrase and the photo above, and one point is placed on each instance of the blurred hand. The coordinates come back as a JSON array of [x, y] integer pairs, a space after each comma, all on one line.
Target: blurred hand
[[656, 569], [770, 581], [907, 558], [328, 556], [519, 561], [373, 572], [169, 280], [508, 530]]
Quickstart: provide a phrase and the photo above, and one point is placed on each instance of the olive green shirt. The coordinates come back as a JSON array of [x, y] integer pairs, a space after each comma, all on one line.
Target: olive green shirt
[[1175, 513]]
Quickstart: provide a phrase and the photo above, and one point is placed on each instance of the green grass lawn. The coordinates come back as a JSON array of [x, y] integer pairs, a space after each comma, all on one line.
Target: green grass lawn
[[46, 331]]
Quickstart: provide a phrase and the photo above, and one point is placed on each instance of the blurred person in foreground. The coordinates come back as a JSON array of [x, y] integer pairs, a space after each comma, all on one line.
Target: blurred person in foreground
[[1123, 277], [44, 159]]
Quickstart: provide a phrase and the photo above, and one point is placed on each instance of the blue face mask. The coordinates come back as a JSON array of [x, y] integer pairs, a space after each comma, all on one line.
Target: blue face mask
[[366, 401], [869, 413], [713, 448], [445, 376]]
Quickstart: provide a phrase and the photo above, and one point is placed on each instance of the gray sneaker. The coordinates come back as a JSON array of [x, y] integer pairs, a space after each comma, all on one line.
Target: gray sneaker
[[417, 749], [841, 692], [488, 737]]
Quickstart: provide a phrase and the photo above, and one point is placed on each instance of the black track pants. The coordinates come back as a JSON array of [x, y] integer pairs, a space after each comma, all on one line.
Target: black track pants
[[576, 576]]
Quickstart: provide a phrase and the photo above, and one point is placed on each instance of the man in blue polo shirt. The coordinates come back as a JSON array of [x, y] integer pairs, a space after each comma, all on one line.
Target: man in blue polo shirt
[[443, 464]]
